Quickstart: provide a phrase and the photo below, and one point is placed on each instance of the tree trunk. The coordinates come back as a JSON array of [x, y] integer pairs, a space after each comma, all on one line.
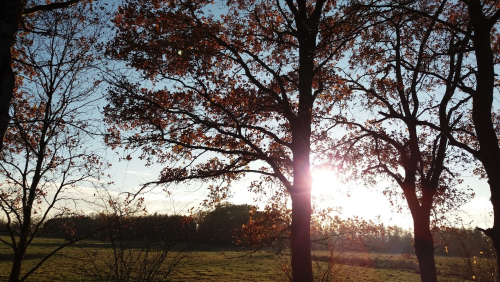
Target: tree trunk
[[424, 248], [489, 152], [10, 16], [16, 267], [15, 272], [300, 237], [300, 193], [421, 214]]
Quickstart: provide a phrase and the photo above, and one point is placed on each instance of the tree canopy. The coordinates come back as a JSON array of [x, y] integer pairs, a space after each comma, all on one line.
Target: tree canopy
[[243, 91], [220, 91]]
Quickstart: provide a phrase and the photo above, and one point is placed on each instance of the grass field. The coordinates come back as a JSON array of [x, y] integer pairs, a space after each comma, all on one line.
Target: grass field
[[216, 264]]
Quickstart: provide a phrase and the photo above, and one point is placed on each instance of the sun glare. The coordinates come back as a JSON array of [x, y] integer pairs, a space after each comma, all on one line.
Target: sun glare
[[324, 183], [329, 192]]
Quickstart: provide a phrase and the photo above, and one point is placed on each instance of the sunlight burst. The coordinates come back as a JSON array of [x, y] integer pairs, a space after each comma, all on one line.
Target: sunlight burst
[[325, 183], [353, 200]]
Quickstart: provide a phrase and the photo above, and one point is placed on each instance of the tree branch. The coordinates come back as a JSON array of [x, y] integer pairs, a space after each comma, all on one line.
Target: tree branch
[[49, 7]]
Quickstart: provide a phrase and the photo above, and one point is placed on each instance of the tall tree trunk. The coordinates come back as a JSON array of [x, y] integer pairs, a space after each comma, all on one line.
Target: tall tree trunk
[[489, 152], [307, 30], [424, 247], [301, 202], [300, 237], [10, 16]]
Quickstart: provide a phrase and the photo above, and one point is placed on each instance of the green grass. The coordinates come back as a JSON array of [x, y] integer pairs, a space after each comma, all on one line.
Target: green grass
[[71, 264]]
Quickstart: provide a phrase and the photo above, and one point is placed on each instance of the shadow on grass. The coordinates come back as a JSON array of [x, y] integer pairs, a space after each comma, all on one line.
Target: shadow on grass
[[10, 257]]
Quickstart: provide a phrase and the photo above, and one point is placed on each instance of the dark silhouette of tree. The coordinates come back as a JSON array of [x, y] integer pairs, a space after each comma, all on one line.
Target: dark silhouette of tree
[[403, 106], [474, 22], [240, 92]]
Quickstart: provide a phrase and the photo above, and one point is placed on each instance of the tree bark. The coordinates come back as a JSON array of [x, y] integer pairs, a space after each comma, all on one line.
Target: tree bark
[[300, 193], [424, 242], [489, 152], [300, 237], [424, 248], [15, 272]]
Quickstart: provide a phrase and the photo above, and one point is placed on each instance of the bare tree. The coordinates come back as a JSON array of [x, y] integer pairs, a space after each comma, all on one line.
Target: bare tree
[[138, 246], [47, 156]]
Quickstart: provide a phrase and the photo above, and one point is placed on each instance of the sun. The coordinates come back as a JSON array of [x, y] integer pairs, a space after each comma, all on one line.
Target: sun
[[354, 199], [328, 192], [325, 183]]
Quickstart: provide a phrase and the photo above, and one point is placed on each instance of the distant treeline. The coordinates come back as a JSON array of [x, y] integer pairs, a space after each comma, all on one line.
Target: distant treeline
[[103, 227], [214, 227], [222, 226]]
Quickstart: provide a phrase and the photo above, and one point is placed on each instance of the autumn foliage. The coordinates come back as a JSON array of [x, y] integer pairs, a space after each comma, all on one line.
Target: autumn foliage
[[228, 90], [237, 92]]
